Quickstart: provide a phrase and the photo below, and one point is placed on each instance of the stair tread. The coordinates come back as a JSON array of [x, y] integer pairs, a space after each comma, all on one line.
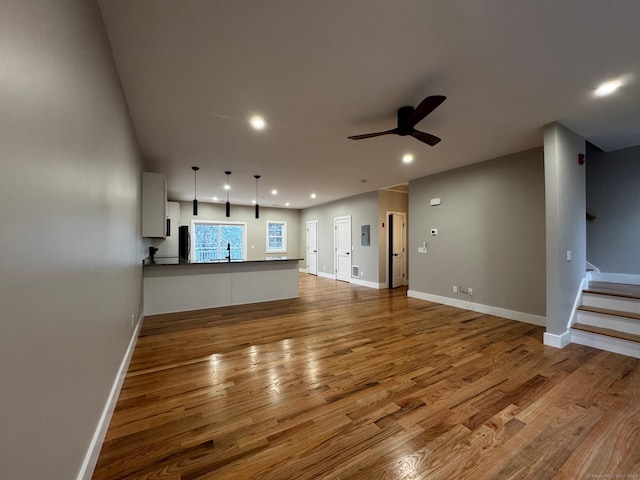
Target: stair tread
[[624, 290], [607, 311], [607, 332]]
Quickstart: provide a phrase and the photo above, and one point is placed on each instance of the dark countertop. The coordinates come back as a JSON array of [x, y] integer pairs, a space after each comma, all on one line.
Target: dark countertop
[[168, 261]]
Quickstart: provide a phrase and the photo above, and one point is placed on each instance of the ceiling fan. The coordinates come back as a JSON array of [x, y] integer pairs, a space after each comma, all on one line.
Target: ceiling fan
[[408, 118]]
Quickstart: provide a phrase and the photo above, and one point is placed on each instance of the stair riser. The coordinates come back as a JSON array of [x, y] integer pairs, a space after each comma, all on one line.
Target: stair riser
[[620, 324], [612, 303], [623, 347]]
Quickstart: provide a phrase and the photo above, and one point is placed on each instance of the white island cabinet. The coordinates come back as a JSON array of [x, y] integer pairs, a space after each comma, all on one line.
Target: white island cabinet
[[194, 286]]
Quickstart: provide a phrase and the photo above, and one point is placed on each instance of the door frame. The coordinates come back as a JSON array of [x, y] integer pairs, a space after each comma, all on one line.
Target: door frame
[[388, 248], [335, 246], [312, 222]]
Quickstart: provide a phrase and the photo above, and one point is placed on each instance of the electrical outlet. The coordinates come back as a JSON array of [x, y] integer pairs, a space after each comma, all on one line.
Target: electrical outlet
[[133, 319], [455, 289], [469, 291]]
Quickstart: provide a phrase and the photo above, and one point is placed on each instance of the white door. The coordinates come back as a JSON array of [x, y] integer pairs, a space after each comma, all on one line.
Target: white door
[[343, 247], [312, 247], [397, 254]]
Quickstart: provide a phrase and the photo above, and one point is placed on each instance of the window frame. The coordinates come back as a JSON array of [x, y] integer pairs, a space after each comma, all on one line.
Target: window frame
[[284, 236], [245, 234]]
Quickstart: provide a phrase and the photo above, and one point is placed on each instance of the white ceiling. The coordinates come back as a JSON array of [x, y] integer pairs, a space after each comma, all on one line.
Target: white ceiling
[[194, 71]]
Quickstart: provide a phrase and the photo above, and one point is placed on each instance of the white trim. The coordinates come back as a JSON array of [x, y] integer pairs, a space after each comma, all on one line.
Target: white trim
[[577, 302], [302, 270], [477, 307], [326, 275], [609, 344], [366, 283], [616, 278], [91, 457], [592, 267], [557, 341]]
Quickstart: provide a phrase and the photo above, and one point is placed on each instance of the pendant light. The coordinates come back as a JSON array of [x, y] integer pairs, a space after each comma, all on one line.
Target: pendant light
[[257, 177], [228, 187], [195, 196]]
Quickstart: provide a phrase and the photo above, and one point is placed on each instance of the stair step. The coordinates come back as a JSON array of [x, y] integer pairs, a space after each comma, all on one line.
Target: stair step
[[606, 332], [623, 290], [608, 311]]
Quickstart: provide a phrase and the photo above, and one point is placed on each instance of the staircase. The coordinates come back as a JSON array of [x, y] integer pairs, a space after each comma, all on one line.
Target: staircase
[[609, 318]]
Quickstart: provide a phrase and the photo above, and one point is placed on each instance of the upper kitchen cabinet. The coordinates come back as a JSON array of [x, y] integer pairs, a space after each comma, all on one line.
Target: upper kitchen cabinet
[[154, 205]]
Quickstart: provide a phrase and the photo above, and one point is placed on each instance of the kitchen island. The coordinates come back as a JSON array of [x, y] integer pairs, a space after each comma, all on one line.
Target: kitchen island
[[177, 287]]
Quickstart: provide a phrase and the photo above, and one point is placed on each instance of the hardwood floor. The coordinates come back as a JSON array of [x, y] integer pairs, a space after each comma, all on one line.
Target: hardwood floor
[[347, 382]]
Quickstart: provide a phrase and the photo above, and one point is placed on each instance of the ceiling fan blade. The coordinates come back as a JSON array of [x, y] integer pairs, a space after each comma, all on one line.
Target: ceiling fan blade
[[371, 135], [427, 106], [425, 137]]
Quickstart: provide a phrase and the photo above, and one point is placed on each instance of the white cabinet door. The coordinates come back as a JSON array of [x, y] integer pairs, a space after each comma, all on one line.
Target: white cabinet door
[[154, 205]]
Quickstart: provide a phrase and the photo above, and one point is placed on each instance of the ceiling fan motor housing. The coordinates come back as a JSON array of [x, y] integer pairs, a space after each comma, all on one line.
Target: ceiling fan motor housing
[[404, 114]]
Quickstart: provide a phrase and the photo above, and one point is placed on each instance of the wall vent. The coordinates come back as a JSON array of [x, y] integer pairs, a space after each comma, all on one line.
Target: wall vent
[[355, 271]]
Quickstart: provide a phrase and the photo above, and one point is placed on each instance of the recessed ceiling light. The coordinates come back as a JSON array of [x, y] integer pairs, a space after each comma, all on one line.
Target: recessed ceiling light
[[287, 204], [407, 158], [227, 186], [215, 199], [607, 88], [257, 122], [254, 202], [313, 195], [274, 192]]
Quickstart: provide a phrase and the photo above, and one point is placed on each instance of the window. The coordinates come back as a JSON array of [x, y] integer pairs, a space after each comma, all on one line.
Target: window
[[276, 237], [217, 240]]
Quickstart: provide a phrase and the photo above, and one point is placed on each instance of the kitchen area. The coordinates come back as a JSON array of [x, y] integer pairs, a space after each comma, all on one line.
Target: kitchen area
[[181, 274]]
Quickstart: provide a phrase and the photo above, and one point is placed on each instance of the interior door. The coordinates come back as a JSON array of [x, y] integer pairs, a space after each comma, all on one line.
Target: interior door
[[397, 253], [342, 226], [312, 247]]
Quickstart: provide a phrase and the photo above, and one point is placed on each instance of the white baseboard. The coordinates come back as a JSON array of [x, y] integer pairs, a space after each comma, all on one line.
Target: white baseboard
[[616, 278], [91, 457], [366, 283], [557, 341], [477, 307], [609, 344], [326, 275]]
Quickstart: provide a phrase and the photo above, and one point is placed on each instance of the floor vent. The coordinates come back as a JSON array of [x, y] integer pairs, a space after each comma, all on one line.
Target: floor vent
[[355, 271]]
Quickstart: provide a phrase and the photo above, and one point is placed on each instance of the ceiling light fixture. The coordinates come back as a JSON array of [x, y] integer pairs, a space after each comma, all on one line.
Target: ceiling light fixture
[[313, 195], [607, 88], [227, 187], [274, 192], [257, 122], [257, 177], [287, 204], [407, 158], [195, 191]]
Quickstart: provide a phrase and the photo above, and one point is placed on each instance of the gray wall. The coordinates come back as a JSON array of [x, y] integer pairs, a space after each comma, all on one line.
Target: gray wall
[[364, 211], [614, 197], [565, 199], [70, 267], [491, 225], [256, 228]]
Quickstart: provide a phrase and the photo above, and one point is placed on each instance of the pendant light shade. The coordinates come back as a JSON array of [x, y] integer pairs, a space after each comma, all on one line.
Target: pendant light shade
[[257, 177], [228, 187], [195, 191]]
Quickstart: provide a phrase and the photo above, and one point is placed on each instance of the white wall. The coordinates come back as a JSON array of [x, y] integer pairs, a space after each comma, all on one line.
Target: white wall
[[70, 270], [491, 224], [566, 227]]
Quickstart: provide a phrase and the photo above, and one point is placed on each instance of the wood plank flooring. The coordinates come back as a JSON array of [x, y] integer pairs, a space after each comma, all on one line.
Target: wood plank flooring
[[347, 382]]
